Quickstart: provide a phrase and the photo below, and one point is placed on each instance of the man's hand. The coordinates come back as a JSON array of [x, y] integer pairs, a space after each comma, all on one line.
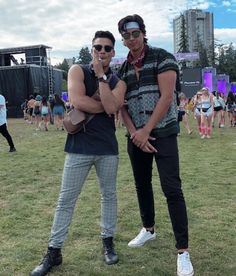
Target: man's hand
[[148, 147], [97, 64], [141, 139]]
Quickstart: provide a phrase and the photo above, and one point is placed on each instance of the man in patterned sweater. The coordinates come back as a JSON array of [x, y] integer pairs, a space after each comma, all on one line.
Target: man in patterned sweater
[[150, 118]]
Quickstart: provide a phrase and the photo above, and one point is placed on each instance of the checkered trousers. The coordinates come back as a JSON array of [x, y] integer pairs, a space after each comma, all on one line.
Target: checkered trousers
[[76, 169]]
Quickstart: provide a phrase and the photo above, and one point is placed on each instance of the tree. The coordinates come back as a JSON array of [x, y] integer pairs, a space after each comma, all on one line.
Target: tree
[[226, 60], [63, 66], [203, 54], [211, 55], [183, 44], [84, 56], [64, 85], [73, 60]]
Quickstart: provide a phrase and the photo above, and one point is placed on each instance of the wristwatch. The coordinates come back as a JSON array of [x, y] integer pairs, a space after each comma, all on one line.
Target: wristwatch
[[103, 79]]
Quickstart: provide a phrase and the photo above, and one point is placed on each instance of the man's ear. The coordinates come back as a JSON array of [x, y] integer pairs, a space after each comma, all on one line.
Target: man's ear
[[114, 53], [123, 42]]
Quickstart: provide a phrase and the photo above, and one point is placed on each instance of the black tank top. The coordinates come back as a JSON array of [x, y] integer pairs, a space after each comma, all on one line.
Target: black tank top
[[99, 135]]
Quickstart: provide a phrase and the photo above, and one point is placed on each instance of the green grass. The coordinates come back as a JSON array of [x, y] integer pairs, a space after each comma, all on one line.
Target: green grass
[[30, 183]]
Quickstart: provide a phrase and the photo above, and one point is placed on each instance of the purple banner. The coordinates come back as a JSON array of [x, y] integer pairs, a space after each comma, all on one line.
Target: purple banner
[[222, 86], [233, 87], [208, 80], [187, 56]]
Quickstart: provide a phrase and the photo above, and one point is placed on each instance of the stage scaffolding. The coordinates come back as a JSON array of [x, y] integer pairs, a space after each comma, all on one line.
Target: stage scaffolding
[[33, 74]]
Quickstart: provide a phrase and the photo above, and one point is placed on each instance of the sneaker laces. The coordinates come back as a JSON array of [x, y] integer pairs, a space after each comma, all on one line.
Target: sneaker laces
[[49, 257], [46, 259], [185, 261], [109, 245], [142, 233]]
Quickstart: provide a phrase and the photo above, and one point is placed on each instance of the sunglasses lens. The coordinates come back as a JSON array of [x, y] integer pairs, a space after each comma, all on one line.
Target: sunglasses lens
[[135, 34], [98, 47], [126, 35], [108, 48]]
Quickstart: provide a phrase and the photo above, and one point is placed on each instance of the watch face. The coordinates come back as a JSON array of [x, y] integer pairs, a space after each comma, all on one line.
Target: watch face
[[103, 78]]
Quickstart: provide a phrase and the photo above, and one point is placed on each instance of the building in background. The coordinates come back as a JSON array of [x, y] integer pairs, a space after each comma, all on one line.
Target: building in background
[[197, 28]]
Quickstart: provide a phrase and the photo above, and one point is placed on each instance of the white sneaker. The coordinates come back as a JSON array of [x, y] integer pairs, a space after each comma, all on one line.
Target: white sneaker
[[141, 238], [184, 265]]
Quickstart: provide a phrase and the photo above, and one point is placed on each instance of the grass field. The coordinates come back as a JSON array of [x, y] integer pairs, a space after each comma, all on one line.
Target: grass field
[[30, 183]]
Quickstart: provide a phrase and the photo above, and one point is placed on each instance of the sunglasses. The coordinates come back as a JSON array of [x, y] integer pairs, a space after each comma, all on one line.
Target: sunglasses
[[99, 47], [135, 34]]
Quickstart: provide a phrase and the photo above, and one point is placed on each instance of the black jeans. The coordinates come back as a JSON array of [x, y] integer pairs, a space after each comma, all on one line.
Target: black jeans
[[167, 161], [5, 133]]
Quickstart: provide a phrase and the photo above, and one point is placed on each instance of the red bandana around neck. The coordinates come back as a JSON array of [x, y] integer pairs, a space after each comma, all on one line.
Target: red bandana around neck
[[137, 61]]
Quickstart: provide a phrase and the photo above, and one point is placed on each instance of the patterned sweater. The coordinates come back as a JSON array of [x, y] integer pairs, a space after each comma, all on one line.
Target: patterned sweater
[[142, 95]]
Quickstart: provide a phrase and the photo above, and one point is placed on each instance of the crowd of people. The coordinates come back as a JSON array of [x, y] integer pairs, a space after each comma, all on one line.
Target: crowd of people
[[42, 111], [143, 96], [210, 109]]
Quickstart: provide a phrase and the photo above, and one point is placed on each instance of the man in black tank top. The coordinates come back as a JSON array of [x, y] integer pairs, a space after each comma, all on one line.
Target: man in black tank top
[[95, 145]]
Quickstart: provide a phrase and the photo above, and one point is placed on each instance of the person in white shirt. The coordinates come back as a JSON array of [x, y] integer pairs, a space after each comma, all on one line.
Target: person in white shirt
[[219, 105], [3, 123]]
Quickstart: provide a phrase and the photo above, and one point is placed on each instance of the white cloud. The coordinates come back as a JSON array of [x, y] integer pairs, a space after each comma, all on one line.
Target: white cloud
[[226, 3], [67, 26], [226, 35]]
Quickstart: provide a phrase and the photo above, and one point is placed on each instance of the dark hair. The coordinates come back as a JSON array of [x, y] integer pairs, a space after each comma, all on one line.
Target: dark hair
[[231, 97], [104, 34], [58, 100], [44, 100], [132, 18], [217, 94]]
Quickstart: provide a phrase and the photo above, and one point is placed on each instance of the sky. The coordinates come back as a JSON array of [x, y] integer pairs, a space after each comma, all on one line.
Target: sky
[[67, 26]]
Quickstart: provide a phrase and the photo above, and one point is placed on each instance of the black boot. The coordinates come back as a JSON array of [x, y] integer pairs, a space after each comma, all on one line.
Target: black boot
[[52, 258], [110, 256]]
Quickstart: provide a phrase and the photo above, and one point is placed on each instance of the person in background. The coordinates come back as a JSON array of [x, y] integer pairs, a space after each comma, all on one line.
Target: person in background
[[45, 112], [30, 107], [3, 124], [51, 102], [37, 111], [230, 108], [58, 111], [206, 113], [224, 97], [150, 117], [25, 109], [96, 145], [197, 106], [183, 112], [67, 106], [219, 105]]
